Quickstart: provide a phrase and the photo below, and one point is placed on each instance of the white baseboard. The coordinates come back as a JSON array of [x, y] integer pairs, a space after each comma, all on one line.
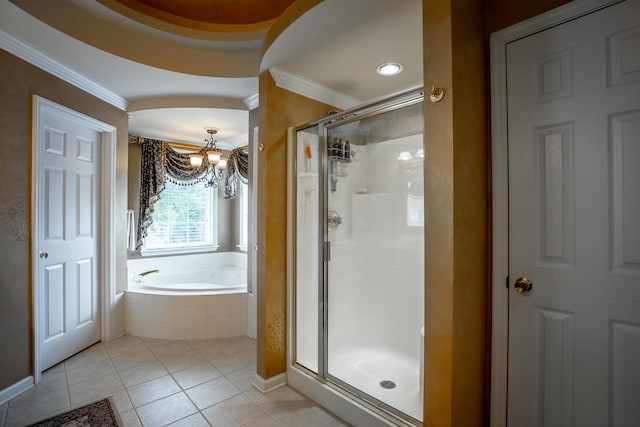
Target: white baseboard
[[15, 389], [269, 384]]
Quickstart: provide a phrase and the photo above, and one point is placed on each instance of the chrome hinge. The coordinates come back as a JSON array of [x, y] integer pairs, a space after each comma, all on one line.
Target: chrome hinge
[[327, 251]]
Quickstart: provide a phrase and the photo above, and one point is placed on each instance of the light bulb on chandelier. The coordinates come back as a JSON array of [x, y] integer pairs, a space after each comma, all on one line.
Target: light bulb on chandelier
[[212, 159], [212, 152]]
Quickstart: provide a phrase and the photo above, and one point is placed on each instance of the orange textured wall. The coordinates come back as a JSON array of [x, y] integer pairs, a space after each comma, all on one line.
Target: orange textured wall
[[279, 110], [20, 81], [456, 212]]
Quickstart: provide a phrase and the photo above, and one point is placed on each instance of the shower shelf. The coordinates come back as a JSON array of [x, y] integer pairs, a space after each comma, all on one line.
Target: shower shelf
[[339, 159]]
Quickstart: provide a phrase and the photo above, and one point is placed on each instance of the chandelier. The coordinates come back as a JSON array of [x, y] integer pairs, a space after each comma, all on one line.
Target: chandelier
[[212, 160]]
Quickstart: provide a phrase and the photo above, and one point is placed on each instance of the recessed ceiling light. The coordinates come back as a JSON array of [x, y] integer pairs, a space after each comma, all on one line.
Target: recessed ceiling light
[[389, 69]]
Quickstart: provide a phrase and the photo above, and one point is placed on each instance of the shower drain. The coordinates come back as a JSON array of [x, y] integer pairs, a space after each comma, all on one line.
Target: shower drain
[[387, 384]]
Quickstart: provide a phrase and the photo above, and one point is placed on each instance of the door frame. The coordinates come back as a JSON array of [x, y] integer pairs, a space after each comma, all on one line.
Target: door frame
[[500, 180], [106, 227]]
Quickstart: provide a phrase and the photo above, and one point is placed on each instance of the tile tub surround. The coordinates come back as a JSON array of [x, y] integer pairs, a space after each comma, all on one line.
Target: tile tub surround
[[160, 382], [152, 314], [188, 317]]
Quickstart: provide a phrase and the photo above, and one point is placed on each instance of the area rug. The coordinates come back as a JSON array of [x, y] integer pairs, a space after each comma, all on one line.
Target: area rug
[[96, 414]]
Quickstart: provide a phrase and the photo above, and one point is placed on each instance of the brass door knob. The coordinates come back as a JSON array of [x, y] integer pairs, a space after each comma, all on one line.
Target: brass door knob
[[523, 284]]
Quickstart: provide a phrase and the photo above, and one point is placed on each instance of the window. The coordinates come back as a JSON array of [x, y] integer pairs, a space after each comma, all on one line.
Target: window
[[184, 219], [243, 238]]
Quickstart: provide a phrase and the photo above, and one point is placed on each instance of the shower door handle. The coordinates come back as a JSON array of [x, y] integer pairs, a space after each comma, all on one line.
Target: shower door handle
[[327, 251]]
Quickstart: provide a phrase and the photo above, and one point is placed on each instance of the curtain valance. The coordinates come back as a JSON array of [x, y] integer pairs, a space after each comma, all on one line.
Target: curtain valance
[[160, 162]]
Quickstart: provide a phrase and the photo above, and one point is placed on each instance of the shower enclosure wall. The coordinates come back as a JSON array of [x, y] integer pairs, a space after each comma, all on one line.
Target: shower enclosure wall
[[357, 287]]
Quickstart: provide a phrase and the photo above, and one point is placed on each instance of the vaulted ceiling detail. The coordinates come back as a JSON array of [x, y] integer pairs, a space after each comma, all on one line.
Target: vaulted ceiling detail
[[225, 12]]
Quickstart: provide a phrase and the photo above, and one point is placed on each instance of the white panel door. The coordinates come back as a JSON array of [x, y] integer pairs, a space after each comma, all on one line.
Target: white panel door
[[67, 212], [574, 222]]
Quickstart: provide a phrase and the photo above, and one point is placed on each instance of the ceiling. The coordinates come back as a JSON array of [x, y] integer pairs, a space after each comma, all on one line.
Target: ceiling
[[213, 12], [205, 55]]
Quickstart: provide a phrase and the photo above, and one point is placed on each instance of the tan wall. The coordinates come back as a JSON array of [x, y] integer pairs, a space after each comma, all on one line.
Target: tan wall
[[279, 109], [456, 210], [19, 82]]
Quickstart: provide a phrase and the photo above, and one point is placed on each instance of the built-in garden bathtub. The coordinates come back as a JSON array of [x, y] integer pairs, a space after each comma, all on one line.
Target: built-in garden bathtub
[[196, 296]]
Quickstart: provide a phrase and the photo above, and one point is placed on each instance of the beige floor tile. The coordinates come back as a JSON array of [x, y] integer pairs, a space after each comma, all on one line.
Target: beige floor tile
[[156, 342], [280, 395], [243, 379], [196, 375], [121, 401], [172, 348], [195, 420], [335, 422], [291, 408], [265, 421], [50, 381], [149, 391], [133, 360], [149, 375], [125, 345], [236, 411], [180, 362], [178, 355], [88, 359], [232, 362], [53, 378], [91, 390], [149, 371], [130, 419], [212, 392], [25, 410], [300, 414], [89, 372], [167, 410]]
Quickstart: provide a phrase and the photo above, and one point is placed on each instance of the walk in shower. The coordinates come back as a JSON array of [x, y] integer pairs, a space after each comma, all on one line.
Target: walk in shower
[[357, 282]]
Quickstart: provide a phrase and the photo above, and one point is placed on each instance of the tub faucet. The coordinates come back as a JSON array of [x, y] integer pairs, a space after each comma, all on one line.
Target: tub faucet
[[138, 277], [149, 272]]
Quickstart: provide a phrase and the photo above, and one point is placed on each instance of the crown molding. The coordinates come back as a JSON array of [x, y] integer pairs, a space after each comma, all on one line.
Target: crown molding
[[35, 57], [310, 89], [252, 101]]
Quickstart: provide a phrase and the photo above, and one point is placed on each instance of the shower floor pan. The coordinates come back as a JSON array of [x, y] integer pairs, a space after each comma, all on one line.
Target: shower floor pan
[[384, 375]]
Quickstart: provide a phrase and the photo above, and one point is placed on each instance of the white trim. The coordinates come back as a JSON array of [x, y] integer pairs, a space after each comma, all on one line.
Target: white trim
[[15, 389], [35, 57], [265, 386], [500, 179], [252, 102], [107, 218], [310, 89], [108, 229]]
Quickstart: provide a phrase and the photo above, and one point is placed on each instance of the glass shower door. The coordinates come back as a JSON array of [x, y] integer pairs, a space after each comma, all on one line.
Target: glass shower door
[[375, 279], [307, 271]]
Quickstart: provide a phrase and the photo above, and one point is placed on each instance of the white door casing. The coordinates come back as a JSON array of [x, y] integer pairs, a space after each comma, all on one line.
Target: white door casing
[[72, 231], [572, 220]]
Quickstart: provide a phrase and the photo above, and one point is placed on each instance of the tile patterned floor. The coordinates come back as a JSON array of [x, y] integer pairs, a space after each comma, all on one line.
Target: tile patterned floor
[[162, 382]]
